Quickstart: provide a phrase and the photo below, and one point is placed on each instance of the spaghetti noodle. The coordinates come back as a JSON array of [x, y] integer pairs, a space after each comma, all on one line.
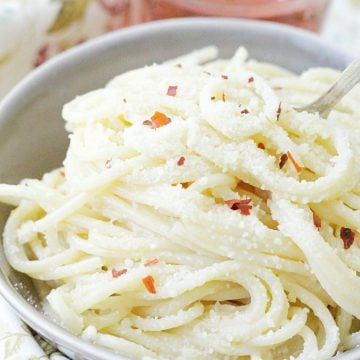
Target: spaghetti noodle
[[198, 215]]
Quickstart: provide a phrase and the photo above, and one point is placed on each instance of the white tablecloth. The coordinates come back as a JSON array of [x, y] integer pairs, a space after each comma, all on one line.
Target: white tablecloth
[[30, 33]]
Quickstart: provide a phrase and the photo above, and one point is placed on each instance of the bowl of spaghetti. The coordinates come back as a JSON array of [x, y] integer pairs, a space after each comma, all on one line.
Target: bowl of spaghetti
[[189, 211]]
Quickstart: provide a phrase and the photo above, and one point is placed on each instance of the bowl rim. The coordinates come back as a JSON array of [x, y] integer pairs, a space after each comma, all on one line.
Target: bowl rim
[[29, 314], [104, 40]]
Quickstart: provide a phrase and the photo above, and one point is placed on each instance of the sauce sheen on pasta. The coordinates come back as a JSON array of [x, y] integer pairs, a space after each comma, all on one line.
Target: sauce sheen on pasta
[[198, 215]]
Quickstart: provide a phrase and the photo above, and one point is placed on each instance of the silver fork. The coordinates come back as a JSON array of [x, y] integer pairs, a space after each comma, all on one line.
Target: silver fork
[[324, 104]]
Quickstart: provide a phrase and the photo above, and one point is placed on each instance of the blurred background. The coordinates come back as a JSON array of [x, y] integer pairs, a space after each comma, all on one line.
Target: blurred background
[[31, 31]]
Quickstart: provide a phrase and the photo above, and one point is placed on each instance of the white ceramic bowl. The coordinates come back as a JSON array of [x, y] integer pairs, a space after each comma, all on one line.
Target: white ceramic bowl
[[32, 136]]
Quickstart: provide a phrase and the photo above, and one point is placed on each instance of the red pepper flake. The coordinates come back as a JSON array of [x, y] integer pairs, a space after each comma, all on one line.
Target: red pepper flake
[[151, 262], [116, 273], [317, 220], [347, 236], [181, 161], [147, 122], [242, 205], [171, 91], [261, 145], [283, 160], [149, 283], [297, 167], [212, 98], [245, 111], [225, 77], [185, 185], [104, 268], [250, 79], [223, 97], [61, 173], [159, 119], [108, 164], [278, 111]]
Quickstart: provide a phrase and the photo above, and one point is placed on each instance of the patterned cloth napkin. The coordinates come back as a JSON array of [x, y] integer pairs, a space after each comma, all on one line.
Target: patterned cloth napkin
[[31, 31]]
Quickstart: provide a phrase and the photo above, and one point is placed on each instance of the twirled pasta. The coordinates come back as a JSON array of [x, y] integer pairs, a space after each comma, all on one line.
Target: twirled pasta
[[198, 215]]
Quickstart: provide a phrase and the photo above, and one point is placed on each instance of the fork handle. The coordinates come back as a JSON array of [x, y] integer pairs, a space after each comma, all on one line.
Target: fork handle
[[349, 78]]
